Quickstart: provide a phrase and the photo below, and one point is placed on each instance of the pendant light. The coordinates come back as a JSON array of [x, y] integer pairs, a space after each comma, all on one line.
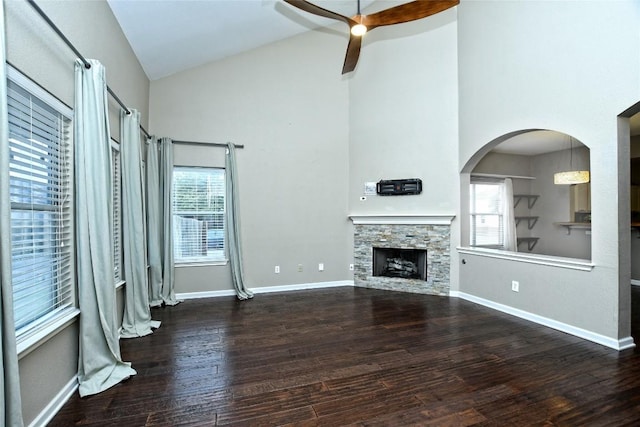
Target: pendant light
[[571, 176]]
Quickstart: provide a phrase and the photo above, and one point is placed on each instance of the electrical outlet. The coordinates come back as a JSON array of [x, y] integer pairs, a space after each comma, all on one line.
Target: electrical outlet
[[299, 268], [515, 286], [277, 269], [321, 267], [351, 267]]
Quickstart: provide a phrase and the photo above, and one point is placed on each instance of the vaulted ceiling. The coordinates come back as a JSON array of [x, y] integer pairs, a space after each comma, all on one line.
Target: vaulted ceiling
[[169, 36]]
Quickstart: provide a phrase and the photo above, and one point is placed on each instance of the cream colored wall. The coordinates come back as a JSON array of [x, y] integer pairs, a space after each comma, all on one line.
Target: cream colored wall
[[520, 68], [288, 105], [403, 116], [404, 119], [38, 52]]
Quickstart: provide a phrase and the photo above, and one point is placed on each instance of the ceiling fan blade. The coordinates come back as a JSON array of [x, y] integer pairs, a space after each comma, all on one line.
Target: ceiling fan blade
[[317, 10], [407, 12], [353, 53]]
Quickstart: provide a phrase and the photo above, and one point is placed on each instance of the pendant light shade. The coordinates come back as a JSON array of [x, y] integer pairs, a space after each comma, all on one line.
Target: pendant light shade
[[571, 176]]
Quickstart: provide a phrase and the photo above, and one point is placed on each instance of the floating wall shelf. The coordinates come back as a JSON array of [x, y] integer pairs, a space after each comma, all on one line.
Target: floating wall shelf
[[574, 225]]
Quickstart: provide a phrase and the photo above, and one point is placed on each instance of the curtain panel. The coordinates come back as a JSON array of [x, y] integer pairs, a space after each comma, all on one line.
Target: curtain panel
[[100, 365], [232, 226], [510, 237], [154, 223], [11, 409], [136, 321], [166, 173]]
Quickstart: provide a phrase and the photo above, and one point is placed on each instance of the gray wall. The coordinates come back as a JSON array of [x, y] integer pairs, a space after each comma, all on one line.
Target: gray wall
[[554, 206], [521, 69], [289, 106], [34, 48]]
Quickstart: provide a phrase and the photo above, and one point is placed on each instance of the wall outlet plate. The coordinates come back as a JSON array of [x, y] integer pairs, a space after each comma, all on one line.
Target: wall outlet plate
[[515, 286]]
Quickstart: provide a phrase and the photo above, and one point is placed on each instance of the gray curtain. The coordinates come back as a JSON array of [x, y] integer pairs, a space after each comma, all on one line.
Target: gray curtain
[[11, 410], [100, 365], [232, 226], [136, 321], [166, 174], [154, 223]]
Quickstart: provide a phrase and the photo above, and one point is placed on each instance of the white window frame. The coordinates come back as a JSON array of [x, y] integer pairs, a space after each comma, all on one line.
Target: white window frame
[[64, 310], [217, 254], [473, 214]]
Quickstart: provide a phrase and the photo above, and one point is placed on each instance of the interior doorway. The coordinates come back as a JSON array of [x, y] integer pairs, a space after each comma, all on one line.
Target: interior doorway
[[634, 204]]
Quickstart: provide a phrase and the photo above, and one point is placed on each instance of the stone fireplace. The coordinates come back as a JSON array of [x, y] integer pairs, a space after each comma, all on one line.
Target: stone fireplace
[[402, 253]]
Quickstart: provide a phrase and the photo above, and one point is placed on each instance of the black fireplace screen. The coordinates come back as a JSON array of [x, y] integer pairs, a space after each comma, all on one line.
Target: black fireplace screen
[[402, 263]]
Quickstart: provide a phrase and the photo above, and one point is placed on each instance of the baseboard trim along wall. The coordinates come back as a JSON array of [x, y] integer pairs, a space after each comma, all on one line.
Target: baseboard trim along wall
[[621, 344], [265, 289], [49, 411], [635, 282]]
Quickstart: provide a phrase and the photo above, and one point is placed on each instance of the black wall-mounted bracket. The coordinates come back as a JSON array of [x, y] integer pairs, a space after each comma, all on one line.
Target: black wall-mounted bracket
[[399, 187]]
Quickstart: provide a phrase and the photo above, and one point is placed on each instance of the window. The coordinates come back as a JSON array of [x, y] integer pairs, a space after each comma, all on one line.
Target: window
[[41, 205], [486, 207], [117, 213], [198, 214]]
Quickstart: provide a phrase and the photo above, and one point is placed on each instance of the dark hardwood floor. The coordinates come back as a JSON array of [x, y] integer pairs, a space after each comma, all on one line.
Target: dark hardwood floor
[[353, 356]]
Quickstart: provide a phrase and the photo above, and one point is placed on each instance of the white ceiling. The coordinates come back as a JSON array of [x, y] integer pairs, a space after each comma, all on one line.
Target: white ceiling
[[169, 36]]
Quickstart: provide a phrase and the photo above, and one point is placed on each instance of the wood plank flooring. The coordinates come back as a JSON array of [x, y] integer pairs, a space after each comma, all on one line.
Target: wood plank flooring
[[362, 357]]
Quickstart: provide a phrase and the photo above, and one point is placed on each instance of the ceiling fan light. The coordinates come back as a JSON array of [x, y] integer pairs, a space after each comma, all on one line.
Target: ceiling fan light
[[571, 177], [358, 30]]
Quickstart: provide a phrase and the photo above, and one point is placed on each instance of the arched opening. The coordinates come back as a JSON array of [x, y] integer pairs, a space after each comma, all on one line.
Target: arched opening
[[518, 200]]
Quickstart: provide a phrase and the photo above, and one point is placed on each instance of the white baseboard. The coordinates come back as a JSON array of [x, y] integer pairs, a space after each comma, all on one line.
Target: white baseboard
[[49, 411], [265, 289], [206, 294], [620, 344], [635, 282]]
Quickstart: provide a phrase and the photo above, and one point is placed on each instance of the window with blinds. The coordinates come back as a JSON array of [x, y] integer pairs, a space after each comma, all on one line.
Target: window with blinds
[[487, 228], [40, 161], [198, 214], [117, 213]]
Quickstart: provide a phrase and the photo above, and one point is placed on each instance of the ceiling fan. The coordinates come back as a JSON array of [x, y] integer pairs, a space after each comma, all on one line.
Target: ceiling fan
[[360, 24]]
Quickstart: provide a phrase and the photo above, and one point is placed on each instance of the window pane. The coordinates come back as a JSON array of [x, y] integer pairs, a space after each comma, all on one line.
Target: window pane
[[198, 214], [40, 195], [486, 215], [117, 215]]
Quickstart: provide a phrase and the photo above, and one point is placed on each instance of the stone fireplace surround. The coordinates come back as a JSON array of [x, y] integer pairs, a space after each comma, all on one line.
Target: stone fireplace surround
[[404, 232]]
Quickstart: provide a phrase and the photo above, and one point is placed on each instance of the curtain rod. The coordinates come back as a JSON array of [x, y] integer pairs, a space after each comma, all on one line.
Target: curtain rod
[[215, 144], [82, 58]]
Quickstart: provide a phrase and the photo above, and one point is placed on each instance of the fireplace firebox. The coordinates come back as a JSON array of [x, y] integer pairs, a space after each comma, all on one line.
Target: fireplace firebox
[[400, 263]]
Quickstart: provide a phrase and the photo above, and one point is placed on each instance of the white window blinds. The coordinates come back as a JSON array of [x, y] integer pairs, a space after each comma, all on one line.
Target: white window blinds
[[41, 204], [198, 214], [117, 213], [486, 214]]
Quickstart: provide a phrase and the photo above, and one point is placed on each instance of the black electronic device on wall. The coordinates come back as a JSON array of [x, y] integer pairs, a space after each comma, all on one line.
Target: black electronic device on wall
[[399, 187]]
